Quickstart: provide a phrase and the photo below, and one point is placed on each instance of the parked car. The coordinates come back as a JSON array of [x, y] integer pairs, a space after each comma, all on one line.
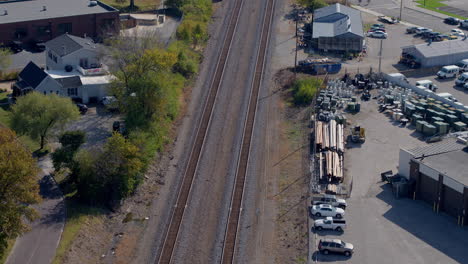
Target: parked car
[[110, 102], [411, 30], [464, 24], [378, 26], [327, 210], [421, 30], [330, 223], [327, 246], [329, 199], [82, 108], [465, 86], [389, 20], [15, 46], [447, 96], [377, 34], [463, 65], [377, 29], [428, 84], [462, 79], [457, 32], [452, 21], [452, 37], [449, 71], [37, 46]]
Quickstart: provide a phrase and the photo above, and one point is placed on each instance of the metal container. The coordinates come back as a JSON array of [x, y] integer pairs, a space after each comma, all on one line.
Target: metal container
[[451, 118], [429, 129], [459, 126], [419, 125]]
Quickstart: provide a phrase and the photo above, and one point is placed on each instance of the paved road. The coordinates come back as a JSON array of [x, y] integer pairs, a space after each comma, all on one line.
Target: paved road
[[411, 13], [38, 245]]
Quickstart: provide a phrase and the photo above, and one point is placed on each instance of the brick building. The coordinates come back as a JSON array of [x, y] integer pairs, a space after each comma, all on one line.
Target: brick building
[[28, 21]]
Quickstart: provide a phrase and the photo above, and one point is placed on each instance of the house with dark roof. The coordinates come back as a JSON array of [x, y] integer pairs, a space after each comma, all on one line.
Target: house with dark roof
[[73, 69], [337, 28], [27, 21]]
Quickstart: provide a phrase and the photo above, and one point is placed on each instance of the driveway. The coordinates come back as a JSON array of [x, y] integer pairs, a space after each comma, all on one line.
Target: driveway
[[38, 245], [97, 123]]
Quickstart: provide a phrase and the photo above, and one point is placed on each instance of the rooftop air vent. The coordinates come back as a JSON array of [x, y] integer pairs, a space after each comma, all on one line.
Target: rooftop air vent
[[92, 3], [44, 8], [5, 13]]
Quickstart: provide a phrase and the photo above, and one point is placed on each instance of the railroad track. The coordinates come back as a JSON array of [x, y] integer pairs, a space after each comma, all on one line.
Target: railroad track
[[171, 235], [238, 192], [184, 189]]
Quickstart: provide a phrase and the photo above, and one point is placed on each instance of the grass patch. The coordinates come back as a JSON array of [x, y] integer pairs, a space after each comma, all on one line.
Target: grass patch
[[434, 5], [3, 258], [141, 5], [78, 215], [367, 26]]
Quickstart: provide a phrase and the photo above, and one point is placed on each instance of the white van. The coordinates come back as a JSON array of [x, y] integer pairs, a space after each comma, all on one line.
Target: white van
[[462, 79], [447, 96], [427, 84], [398, 76], [449, 71], [463, 65]]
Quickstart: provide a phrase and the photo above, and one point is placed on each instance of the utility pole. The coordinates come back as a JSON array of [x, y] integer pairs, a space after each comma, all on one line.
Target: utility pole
[[401, 8], [380, 57], [295, 56]]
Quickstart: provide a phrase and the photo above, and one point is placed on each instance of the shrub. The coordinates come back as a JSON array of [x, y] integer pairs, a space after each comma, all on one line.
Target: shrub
[[305, 89]]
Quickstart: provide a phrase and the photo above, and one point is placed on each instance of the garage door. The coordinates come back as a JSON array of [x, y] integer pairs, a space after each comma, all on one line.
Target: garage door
[[428, 189], [451, 201]]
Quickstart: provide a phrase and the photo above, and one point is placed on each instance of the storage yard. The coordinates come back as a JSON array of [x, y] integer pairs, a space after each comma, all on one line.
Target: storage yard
[[395, 228]]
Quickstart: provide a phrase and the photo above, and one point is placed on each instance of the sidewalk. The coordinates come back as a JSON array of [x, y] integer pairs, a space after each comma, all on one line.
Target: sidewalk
[[39, 244]]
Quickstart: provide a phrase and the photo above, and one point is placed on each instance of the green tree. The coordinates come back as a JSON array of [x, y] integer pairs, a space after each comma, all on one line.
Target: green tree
[[5, 59], [18, 187], [110, 175], [71, 141], [36, 114]]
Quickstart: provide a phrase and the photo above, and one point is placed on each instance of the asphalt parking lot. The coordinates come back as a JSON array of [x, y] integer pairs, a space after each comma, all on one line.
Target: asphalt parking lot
[[382, 228]]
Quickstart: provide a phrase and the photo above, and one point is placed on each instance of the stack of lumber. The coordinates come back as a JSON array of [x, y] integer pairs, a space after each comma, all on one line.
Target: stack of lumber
[[329, 137]]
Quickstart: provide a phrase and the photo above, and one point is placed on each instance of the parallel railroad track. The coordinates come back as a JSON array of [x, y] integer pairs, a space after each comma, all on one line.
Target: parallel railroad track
[[229, 247], [172, 232], [184, 190]]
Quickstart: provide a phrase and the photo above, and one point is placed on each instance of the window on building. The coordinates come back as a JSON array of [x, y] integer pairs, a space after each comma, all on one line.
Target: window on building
[[72, 91], [108, 24], [84, 63], [64, 28], [56, 92], [21, 33], [43, 30]]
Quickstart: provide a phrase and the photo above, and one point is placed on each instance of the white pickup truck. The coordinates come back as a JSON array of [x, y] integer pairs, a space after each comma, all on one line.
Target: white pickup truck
[[329, 199], [330, 223]]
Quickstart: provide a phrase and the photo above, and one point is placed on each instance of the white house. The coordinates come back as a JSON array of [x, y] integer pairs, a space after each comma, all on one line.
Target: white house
[[73, 69]]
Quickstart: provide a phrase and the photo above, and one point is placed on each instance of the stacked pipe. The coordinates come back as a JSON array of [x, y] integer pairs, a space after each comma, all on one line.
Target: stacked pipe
[[329, 137]]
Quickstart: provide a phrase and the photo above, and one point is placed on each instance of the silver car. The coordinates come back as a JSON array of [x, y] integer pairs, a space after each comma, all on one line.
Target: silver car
[[327, 246]]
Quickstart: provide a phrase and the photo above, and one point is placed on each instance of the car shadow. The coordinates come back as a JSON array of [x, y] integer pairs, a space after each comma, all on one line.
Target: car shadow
[[439, 231], [320, 257]]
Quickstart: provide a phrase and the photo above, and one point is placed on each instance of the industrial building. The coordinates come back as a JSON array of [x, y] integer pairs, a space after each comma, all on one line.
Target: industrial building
[[25, 21], [438, 53], [440, 175], [337, 28]]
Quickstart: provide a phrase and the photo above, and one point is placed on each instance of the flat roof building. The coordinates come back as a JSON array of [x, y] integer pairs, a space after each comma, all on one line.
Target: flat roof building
[[41, 20], [440, 174]]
